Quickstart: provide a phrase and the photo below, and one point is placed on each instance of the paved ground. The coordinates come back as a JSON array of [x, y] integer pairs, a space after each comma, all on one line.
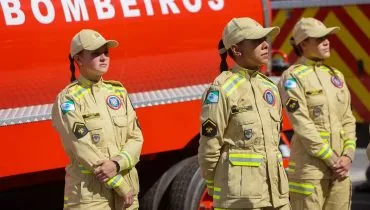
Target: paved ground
[[360, 200]]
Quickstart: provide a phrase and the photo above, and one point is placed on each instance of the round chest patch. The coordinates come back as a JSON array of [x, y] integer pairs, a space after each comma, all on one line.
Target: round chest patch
[[337, 82], [114, 102], [269, 97]]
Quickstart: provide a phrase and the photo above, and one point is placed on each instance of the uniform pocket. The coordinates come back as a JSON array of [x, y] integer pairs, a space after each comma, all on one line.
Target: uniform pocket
[[317, 113], [120, 128], [245, 175], [95, 127], [275, 125], [283, 179], [341, 96]]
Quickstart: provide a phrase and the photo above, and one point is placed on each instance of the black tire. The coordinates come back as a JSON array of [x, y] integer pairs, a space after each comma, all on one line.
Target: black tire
[[156, 195], [187, 188]]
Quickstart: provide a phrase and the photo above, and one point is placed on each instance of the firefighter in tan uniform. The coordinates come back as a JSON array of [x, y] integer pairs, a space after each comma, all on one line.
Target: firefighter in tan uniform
[[99, 131], [317, 101], [240, 124]]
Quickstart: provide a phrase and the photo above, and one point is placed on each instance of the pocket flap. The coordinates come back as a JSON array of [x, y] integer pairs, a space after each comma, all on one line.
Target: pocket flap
[[242, 159], [275, 115], [120, 121], [94, 124]]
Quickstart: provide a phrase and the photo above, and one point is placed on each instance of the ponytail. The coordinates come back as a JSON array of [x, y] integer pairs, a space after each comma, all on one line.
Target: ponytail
[[72, 68], [297, 49], [223, 54]]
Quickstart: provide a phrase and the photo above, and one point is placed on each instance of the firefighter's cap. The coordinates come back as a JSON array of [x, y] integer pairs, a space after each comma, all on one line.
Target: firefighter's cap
[[310, 27], [88, 39], [239, 29]]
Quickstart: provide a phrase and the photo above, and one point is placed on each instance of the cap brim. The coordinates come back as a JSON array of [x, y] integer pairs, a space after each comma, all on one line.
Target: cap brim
[[109, 43], [323, 32], [264, 32]]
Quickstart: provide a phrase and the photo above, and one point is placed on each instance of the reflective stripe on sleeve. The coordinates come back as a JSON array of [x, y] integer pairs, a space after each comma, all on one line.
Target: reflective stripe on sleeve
[[349, 144], [325, 136], [114, 182], [325, 152], [127, 158], [301, 188], [216, 193]]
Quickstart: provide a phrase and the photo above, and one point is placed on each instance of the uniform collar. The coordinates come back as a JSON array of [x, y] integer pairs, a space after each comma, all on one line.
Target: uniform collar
[[305, 61], [88, 83], [247, 73]]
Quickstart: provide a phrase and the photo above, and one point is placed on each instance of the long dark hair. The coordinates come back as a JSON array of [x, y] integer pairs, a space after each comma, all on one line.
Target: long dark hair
[[297, 49], [72, 68], [223, 55]]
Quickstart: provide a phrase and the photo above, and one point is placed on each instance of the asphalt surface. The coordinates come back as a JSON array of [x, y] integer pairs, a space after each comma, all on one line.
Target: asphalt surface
[[361, 191]]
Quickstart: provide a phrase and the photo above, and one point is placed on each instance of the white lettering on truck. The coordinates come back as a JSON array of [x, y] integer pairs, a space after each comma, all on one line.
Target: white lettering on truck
[[12, 12], [76, 10], [50, 14], [104, 9]]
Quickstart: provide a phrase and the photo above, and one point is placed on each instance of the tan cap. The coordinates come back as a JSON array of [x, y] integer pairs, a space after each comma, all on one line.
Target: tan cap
[[310, 27], [88, 39], [239, 29]]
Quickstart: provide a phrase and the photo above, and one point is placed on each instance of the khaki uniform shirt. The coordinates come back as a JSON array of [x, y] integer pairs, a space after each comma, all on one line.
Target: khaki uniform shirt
[[317, 100], [238, 152], [96, 121]]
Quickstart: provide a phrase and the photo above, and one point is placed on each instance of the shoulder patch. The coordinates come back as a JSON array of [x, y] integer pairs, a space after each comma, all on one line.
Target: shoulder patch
[[290, 83], [79, 130], [209, 128], [269, 97], [67, 106], [292, 104], [212, 97]]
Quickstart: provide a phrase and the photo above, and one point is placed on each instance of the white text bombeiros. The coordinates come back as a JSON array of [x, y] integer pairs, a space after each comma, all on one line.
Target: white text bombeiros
[[76, 10]]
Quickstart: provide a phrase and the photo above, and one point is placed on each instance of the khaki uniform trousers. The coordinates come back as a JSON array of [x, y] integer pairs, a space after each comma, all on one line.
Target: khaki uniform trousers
[[327, 195], [102, 205], [285, 207]]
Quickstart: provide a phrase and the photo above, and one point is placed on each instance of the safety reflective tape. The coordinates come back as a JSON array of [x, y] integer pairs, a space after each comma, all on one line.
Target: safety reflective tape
[[280, 158], [66, 198], [291, 170], [349, 144], [114, 182], [303, 70], [83, 170], [246, 159], [302, 188], [233, 83], [325, 152], [291, 166], [127, 157], [79, 92], [208, 181], [325, 136], [65, 206], [216, 193]]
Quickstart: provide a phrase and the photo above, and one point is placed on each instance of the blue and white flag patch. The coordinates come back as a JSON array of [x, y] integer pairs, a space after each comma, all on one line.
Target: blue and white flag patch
[[290, 83], [67, 106], [212, 97]]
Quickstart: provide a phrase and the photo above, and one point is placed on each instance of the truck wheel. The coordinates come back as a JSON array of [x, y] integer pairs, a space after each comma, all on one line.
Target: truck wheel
[[153, 197], [188, 189]]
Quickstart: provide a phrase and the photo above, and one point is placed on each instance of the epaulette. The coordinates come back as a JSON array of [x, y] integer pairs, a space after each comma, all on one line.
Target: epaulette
[[115, 87], [300, 70], [222, 78], [230, 81], [113, 82]]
